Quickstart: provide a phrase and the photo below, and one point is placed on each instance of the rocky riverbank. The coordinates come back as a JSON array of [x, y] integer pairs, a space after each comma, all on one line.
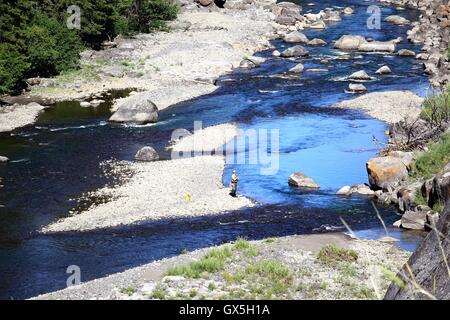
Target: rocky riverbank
[[433, 31], [322, 266]]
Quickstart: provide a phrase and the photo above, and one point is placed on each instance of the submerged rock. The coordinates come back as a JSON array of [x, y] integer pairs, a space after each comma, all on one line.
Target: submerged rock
[[137, 109], [146, 154], [298, 179]]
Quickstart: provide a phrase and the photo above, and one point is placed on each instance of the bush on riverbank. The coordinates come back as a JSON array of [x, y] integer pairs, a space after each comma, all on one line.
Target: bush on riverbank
[[436, 109], [36, 41], [433, 161]]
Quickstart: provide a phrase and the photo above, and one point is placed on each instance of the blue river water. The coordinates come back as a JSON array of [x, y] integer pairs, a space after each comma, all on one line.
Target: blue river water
[[57, 159]]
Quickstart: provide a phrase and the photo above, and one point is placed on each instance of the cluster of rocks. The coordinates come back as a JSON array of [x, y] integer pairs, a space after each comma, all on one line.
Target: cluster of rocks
[[433, 31], [389, 185]]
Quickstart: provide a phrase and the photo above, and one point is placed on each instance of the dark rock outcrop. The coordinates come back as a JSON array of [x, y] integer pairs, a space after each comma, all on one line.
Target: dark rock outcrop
[[429, 267]]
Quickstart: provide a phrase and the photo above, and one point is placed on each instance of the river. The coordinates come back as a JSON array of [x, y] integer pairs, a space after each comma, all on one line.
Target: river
[[57, 159]]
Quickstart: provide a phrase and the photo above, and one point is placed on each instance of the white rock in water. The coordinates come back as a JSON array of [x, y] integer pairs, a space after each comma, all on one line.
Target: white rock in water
[[298, 179], [357, 87], [137, 108], [406, 53], [360, 75], [97, 102], [384, 70], [317, 42], [295, 37], [318, 25], [276, 53], [146, 154], [344, 191], [298, 68], [348, 11], [3, 159], [85, 104], [398, 20], [397, 224]]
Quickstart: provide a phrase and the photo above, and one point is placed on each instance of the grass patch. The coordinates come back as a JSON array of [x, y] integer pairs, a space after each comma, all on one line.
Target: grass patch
[[272, 269], [438, 207], [129, 290], [159, 293], [331, 255], [211, 262], [246, 247], [433, 161]]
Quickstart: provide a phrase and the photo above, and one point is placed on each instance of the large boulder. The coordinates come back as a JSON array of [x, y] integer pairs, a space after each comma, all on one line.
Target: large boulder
[[428, 267], [440, 189], [398, 20], [414, 220], [377, 46], [386, 172], [298, 179], [295, 51], [136, 109], [349, 42], [295, 37], [146, 154]]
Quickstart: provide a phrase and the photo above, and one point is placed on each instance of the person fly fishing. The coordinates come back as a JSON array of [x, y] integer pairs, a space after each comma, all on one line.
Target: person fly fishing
[[233, 183]]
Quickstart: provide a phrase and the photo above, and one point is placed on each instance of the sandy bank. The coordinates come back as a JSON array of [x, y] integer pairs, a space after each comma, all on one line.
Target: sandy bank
[[16, 116], [207, 139], [360, 279], [158, 190], [389, 106], [176, 65]]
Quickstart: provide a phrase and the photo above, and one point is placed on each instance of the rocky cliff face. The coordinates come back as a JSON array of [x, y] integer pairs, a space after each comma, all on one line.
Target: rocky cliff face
[[433, 31], [430, 274]]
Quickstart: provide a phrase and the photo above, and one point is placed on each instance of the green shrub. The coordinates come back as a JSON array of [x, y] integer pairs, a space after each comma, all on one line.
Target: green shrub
[[13, 67], [211, 262], [433, 161], [331, 255], [436, 109]]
